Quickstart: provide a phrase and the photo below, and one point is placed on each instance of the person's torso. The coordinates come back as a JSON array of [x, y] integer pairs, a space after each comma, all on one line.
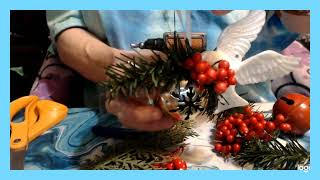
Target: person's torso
[[121, 28]]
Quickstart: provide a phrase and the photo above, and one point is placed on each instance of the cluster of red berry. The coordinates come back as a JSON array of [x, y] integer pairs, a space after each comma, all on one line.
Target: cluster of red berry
[[204, 74], [233, 130], [176, 164], [280, 123]]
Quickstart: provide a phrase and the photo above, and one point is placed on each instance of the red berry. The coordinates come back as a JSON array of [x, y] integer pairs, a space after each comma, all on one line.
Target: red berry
[[253, 120], [226, 133], [234, 132], [236, 115], [211, 74], [218, 147], [247, 109], [238, 121], [202, 79], [222, 74], [280, 119], [223, 128], [264, 122], [231, 119], [242, 124], [224, 150], [232, 80], [236, 148], [251, 134], [230, 126], [228, 148], [259, 126], [240, 116], [188, 64], [247, 121], [197, 57], [202, 67], [270, 126], [219, 134], [244, 130], [224, 64], [285, 127], [230, 138], [220, 87], [170, 166], [231, 73], [250, 114], [260, 116], [226, 122]]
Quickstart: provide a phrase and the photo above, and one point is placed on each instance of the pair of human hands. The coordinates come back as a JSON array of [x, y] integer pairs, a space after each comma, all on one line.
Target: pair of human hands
[[136, 112]]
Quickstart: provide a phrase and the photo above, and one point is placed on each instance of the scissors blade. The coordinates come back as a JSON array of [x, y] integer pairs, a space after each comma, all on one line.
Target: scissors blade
[[17, 159]]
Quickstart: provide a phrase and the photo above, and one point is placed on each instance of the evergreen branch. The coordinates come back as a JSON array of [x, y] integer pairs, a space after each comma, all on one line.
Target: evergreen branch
[[144, 149], [273, 155], [127, 77], [212, 102]]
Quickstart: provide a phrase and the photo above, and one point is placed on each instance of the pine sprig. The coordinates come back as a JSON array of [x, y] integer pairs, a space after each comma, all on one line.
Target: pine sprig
[[133, 74], [273, 155], [212, 102]]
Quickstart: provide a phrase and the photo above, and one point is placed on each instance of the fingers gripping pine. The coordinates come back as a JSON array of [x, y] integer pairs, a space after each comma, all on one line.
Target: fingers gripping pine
[[135, 114]]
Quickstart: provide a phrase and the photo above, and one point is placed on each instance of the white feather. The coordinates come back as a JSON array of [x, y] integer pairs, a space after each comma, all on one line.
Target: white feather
[[236, 38], [265, 66]]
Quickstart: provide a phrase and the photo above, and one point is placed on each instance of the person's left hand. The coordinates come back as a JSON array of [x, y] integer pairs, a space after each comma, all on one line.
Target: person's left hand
[[137, 114]]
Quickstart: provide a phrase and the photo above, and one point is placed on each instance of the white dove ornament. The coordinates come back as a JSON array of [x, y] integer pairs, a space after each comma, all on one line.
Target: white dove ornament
[[233, 43]]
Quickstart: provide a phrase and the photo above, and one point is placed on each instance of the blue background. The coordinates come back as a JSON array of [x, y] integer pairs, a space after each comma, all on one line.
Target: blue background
[[6, 6]]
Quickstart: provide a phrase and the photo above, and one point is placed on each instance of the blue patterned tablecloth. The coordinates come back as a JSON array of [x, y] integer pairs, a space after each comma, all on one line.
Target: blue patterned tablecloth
[[70, 144]]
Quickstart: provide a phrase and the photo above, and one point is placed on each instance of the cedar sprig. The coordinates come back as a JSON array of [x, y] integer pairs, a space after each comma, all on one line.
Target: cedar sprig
[[144, 149], [273, 155], [135, 159]]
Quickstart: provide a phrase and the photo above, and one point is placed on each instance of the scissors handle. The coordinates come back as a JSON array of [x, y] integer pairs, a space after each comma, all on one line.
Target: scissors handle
[[49, 114], [40, 115], [19, 131]]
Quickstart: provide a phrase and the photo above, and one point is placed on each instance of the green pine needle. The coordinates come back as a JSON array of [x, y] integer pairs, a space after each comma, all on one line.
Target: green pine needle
[[273, 155], [133, 74]]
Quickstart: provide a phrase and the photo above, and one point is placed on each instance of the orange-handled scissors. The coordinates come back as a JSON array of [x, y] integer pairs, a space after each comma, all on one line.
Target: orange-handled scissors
[[39, 116]]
